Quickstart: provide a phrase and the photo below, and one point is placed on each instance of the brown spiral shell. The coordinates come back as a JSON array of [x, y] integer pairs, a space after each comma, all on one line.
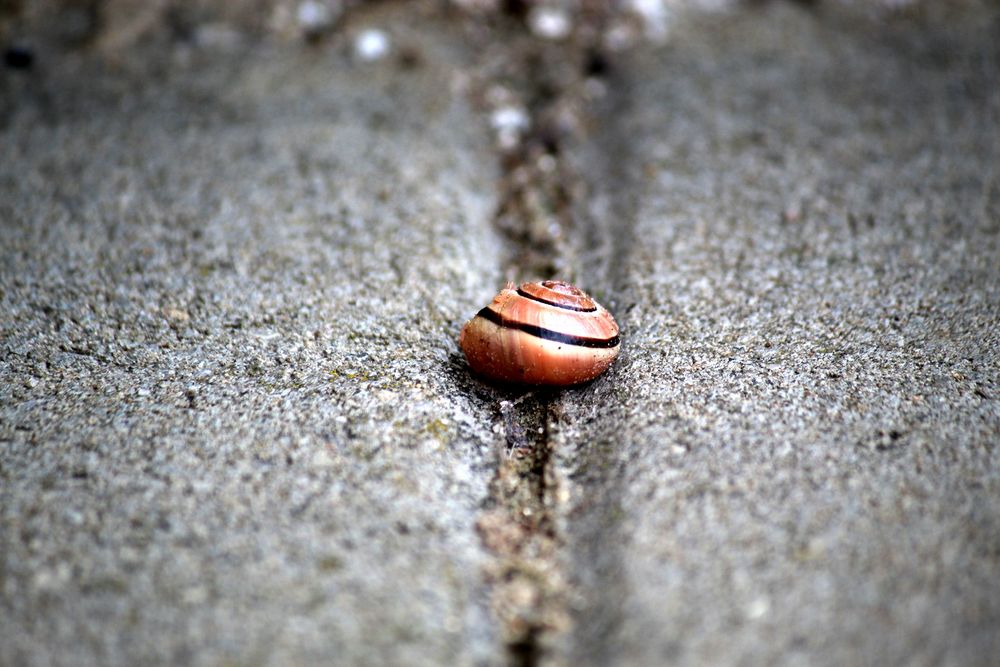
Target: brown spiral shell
[[543, 333]]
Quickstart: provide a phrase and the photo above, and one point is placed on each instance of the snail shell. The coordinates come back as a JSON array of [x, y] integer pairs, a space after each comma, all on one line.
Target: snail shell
[[541, 333]]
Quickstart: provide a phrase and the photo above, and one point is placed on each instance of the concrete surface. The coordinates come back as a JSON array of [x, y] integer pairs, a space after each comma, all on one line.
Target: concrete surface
[[236, 429], [796, 460]]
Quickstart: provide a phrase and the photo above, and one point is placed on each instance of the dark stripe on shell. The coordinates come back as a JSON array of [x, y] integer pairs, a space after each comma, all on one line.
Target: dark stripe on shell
[[554, 303], [546, 334]]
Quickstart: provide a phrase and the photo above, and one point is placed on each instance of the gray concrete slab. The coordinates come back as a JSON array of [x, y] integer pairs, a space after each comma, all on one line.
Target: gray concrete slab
[[234, 428], [795, 459]]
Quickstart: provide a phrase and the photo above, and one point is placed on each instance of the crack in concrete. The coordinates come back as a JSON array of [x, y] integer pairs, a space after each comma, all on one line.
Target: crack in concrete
[[518, 526], [538, 193]]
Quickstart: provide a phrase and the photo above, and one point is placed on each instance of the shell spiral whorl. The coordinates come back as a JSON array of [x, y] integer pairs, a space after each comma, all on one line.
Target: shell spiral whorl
[[543, 333]]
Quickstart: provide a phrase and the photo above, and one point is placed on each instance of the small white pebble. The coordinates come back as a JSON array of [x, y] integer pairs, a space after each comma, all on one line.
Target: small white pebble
[[562, 495], [510, 118], [758, 608], [549, 23], [371, 45], [314, 17], [509, 122], [655, 16]]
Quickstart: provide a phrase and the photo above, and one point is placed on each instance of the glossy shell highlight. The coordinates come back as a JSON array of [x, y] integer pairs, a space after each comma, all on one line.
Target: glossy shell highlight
[[544, 333]]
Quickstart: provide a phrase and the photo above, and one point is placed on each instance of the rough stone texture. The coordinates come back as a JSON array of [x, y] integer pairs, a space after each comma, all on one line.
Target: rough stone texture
[[234, 426], [796, 460]]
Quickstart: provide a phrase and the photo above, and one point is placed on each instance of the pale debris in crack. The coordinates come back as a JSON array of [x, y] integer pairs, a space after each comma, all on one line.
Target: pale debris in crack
[[529, 588]]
